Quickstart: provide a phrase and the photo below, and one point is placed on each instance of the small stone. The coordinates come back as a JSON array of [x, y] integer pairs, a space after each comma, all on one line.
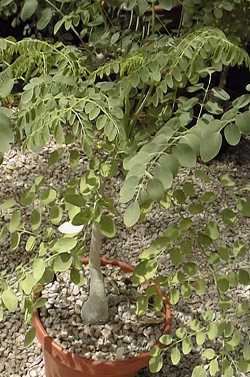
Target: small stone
[[120, 352]]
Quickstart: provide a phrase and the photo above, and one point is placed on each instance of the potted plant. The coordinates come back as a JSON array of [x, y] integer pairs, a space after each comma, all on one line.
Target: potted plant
[[103, 110]]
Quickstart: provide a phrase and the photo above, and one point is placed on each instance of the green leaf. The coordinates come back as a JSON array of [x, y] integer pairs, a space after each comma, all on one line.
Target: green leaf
[[241, 101], [166, 4], [82, 218], [75, 200], [221, 94], [246, 351], [244, 277], [175, 356], [15, 240], [164, 175], [62, 262], [38, 268], [174, 296], [29, 337], [129, 188], [28, 9], [9, 299], [56, 214], [30, 243], [212, 230], [74, 158], [141, 305], [166, 339], [114, 38], [7, 204], [48, 276], [77, 277], [200, 338], [27, 284], [176, 256], [39, 303], [48, 196], [214, 367], [15, 221], [144, 271], [132, 214], [186, 346], [185, 155], [243, 122], [244, 207], [227, 180], [45, 18], [155, 189], [6, 87], [210, 146], [223, 284], [54, 157], [228, 372], [199, 371], [155, 363], [213, 331], [208, 354], [228, 216], [65, 244], [188, 188], [107, 226], [35, 219], [181, 332], [232, 134], [6, 134]]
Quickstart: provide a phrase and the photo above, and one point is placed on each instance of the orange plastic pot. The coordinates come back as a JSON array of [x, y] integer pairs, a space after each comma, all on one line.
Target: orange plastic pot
[[61, 363]]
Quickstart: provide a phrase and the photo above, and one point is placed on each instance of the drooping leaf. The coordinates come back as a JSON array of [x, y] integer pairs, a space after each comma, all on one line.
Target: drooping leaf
[[232, 134], [209, 354], [62, 262], [38, 267], [107, 226], [45, 18], [166, 4], [132, 214], [175, 355], [15, 221], [9, 299], [6, 133], [185, 155], [30, 243], [129, 188], [199, 371], [214, 367], [243, 122], [27, 284], [28, 9], [155, 363], [35, 219], [65, 244], [210, 146], [29, 337]]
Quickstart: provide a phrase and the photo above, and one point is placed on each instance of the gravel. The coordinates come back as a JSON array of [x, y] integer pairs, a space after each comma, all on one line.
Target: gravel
[[124, 335], [18, 171]]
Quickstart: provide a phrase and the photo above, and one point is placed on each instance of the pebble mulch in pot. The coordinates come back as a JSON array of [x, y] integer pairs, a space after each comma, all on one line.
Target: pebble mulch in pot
[[125, 335]]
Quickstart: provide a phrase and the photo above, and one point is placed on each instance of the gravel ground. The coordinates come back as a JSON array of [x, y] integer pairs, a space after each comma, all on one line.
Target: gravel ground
[[18, 171]]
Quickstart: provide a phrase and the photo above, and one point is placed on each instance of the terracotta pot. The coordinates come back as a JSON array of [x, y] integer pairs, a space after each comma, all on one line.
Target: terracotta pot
[[61, 363]]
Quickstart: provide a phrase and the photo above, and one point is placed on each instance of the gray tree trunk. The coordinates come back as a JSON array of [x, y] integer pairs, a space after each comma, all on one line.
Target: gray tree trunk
[[95, 309]]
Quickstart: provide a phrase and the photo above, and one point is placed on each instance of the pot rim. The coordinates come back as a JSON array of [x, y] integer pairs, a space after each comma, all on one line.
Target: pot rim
[[60, 353]]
